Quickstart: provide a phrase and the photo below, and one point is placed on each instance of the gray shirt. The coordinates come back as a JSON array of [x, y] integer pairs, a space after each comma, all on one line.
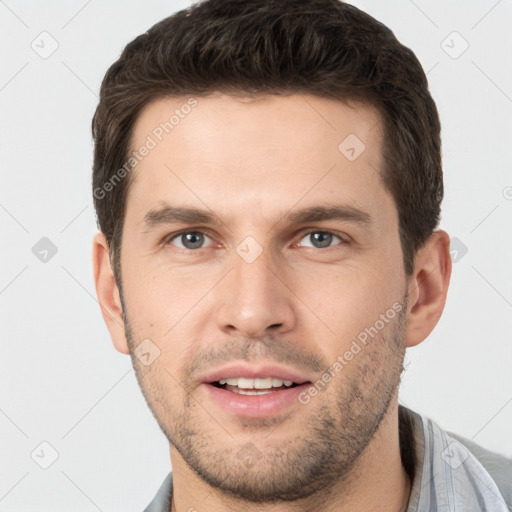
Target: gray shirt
[[449, 473]]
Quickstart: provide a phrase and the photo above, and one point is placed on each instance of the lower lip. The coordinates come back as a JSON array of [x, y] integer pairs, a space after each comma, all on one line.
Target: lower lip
[[255, 406]]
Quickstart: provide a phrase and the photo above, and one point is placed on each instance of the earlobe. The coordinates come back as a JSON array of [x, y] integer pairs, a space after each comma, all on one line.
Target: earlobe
[[108, 293], [428, 287]]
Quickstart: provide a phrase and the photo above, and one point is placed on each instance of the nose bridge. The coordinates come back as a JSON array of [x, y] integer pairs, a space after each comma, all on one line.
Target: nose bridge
[[253, 273], [253, 298]]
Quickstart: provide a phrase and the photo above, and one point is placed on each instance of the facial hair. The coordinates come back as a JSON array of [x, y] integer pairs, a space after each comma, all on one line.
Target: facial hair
[[346, 416]]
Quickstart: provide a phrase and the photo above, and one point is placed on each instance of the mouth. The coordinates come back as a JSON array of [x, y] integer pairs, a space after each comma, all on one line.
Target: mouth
[[255, 392], [260, 386]]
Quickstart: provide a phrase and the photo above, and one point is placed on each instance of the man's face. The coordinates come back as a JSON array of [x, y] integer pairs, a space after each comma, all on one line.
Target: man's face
[[262, 295]]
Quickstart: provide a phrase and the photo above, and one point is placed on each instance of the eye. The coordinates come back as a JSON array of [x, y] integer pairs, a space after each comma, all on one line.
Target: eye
[[189, 240], [320, 239]]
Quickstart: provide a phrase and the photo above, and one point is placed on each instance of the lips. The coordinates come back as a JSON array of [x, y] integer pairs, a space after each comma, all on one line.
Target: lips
[[252, 375], [255, 391]]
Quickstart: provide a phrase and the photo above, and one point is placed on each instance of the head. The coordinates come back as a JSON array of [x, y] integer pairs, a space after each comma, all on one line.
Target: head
[[306, 135]]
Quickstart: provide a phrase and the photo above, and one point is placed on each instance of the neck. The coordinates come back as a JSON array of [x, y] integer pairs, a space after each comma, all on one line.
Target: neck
[[377, 482]]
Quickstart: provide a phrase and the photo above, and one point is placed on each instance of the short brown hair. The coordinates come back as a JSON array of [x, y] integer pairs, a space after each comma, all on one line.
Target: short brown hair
[[322, 47]]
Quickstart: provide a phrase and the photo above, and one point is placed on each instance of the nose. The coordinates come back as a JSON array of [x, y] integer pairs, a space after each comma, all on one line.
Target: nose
[[255, 299]]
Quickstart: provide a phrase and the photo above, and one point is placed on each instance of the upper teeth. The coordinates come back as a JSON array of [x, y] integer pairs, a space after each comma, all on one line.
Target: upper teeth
[[265, 383]]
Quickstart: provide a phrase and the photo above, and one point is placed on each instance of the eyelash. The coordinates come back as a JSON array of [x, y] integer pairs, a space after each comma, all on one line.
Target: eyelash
[[168, 240]]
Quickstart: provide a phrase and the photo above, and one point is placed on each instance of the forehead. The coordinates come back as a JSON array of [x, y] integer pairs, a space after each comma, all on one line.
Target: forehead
[[255, 154], [295, 119]]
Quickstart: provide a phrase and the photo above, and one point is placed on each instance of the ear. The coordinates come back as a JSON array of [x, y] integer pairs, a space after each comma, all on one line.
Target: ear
[[428, 287], [108, 293]]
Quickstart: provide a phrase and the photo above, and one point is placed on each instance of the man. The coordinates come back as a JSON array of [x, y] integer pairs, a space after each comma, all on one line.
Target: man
[[267, 180]]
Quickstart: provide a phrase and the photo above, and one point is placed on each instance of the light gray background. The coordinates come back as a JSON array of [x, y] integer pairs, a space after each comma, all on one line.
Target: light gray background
[[61, 380]]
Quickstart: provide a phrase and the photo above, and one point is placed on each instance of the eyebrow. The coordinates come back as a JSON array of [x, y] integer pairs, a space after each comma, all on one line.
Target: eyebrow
[[177, 214]]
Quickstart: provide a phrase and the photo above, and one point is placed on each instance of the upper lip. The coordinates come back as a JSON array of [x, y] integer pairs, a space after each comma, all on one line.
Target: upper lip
[[255, 371]]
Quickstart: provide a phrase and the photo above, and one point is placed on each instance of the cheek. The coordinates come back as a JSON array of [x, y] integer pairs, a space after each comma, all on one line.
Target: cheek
[[343, 302], [158, 299], [168, 306]]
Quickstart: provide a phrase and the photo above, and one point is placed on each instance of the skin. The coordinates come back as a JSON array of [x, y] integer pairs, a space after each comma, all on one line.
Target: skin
[[252, 162]]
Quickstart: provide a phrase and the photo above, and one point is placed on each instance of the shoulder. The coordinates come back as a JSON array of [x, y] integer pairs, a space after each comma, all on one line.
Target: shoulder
[[498, 466], [162, 501]]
